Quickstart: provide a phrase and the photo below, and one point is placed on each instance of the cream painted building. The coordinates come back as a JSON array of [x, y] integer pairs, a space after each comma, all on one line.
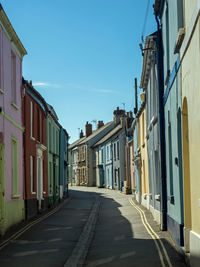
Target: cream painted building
[[190, 66], [142, 151]]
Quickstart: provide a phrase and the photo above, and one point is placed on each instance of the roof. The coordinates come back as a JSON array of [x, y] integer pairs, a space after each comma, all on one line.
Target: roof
[[34, 94], [109, 135], [9, 30], [76, 143], [96, 132]]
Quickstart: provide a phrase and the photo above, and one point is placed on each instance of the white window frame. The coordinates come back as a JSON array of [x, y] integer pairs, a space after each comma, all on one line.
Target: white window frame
[[31, 175]]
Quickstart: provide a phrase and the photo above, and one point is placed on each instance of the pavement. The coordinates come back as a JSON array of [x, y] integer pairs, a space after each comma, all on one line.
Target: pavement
[[96, 227]]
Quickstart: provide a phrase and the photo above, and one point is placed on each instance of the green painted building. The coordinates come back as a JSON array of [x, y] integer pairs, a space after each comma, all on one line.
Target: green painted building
[[53, 129]]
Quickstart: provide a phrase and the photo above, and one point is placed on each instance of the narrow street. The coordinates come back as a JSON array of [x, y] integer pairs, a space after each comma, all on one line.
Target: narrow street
[[95, 227]]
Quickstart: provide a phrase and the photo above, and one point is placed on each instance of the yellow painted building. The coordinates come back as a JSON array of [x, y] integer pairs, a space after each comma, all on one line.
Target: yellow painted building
[[142, 150], [190, 67]]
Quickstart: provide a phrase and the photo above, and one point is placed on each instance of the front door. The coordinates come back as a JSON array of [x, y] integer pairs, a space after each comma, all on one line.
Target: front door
[[2, 187]]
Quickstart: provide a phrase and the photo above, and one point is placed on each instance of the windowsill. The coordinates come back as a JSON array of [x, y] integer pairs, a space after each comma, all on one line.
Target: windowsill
[[44, 192], [16, 196], [14, 105], [32, 138], [1, 91], [33, 193]]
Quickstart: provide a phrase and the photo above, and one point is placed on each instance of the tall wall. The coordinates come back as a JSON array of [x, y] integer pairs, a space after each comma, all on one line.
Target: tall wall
[[11, 131], [190, 56]]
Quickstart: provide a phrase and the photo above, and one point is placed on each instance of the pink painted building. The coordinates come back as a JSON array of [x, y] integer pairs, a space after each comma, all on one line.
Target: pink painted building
[[11, 128]]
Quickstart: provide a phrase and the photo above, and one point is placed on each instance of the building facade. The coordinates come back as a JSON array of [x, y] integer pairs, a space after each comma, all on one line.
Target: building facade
[[86, 154], [190, 66], [171, 19], [35, 156], [53, 155], [149, 83], [11, 126], [63, 174]]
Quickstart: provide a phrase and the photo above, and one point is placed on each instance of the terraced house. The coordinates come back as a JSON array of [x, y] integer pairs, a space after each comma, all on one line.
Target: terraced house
[[35, 154], [63, 173], [53, 129], [12, 52], [86, 154], [170, 14]]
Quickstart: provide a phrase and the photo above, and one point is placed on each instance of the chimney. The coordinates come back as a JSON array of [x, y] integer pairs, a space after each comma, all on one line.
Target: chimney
[[118, 113], [31, 82], [100, 124], [81, 134], [88, 129]]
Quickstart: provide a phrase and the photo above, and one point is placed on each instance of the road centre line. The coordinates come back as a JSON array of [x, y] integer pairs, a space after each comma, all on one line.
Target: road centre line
[[152, 233], [28, 226]]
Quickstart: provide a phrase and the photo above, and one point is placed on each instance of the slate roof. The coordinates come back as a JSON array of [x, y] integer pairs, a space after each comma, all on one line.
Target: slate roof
[[109, 135], [74, 144], [94, 133]]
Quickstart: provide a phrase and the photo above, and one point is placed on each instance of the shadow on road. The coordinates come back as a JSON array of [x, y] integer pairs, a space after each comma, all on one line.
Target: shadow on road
[[119, 240]]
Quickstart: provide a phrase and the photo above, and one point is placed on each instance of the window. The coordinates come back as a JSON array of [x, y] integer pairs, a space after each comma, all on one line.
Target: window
[[107, 153], [31, 119], [15, 186], [142, 128], [114, 151], [32, 174], [13, 78], [117, 150], [167, 37], [110, 152], [180, 13], [49, 136]]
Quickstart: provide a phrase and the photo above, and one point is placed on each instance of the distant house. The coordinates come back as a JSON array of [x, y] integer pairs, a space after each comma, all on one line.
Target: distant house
[[129, 151], [86, 155], [35, 154], [12, 52], [108, 151], [63, 163], [53, 129], [73, 160], [119, 158]]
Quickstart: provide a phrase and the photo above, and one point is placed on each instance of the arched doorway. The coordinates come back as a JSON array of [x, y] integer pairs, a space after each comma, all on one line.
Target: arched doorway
[[186, 174]]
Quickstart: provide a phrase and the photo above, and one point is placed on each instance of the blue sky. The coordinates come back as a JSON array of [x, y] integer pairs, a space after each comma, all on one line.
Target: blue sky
[[83, 55]]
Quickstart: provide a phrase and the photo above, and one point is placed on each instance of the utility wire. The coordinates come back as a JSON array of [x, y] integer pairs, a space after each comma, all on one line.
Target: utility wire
[[145, 21]]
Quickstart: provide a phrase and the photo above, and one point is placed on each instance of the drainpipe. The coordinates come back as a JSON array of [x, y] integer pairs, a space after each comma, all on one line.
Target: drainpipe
[[162, 124]]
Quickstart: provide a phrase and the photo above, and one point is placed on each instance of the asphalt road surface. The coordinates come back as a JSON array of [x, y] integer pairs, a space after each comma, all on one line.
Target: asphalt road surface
[[95, 227]]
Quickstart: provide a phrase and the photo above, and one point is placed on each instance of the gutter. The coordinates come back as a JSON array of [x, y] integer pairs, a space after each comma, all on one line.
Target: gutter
[[162, 124]]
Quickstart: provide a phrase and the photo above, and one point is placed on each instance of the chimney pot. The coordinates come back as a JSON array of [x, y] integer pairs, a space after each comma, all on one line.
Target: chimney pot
[[81, 134]]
